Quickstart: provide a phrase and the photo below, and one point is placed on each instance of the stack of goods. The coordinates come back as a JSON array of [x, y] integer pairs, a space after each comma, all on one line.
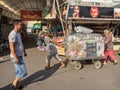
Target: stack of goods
[[84, 45]]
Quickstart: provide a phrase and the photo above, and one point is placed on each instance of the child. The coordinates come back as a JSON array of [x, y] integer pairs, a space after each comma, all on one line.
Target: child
[[52, 53]]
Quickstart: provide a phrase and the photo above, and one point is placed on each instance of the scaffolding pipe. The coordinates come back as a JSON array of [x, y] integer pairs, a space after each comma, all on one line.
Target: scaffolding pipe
[[60, 16]]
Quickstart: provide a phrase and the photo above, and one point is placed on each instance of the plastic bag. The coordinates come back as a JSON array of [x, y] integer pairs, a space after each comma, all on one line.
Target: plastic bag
[[81, 29], [84, 45]]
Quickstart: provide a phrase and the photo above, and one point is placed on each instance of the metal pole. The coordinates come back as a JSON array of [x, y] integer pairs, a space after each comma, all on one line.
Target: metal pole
[[60, 15]]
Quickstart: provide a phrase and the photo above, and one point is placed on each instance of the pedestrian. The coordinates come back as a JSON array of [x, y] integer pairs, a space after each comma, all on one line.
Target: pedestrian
[[52, 52], [108, 47], [17, 50]]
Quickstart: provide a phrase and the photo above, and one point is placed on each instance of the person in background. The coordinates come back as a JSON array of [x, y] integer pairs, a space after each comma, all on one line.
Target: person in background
[[52, 52], [108, 47], [40, 41], [17, 51]]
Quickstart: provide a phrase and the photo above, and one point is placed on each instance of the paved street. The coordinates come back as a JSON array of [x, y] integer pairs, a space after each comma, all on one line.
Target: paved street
[[88, 78]]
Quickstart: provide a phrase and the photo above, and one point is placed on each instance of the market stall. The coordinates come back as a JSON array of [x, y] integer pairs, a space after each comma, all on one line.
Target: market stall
[[86, 46], [96, 18]]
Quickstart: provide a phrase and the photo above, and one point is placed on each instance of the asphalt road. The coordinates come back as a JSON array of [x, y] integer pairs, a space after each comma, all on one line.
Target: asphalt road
[[88, 78]]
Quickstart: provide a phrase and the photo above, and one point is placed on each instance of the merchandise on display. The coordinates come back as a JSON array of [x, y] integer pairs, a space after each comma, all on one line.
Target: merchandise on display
[[80, 29], [84, 45]]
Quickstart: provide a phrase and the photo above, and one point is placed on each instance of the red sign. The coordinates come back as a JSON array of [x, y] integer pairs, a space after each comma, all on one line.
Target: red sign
[[28, 15]]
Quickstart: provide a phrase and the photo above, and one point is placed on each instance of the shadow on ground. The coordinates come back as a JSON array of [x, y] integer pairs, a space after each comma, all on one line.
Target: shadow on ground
[[3, 61], [38, 76]]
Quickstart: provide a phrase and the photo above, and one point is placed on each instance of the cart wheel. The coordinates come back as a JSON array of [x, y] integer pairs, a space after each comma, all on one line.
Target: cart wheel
[[77, 65], [97, 64]]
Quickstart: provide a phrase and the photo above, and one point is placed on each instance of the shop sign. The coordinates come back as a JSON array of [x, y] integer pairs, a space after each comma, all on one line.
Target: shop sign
[[28, 15]]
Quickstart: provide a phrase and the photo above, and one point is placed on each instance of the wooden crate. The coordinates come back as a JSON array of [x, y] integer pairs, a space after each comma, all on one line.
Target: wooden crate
[[60, 50]]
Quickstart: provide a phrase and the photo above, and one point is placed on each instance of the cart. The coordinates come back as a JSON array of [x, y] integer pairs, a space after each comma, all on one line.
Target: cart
[[82, 47]]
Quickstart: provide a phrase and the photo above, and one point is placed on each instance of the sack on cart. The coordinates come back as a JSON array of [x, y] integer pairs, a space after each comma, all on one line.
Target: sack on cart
[[84, 45]]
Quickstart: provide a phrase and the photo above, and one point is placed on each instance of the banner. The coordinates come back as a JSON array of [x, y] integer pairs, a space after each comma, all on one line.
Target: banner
[[75, 11], [28, 15], [117, 13]]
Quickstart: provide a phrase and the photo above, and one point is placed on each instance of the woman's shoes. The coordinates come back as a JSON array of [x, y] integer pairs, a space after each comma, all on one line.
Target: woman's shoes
[[105, 63], [115, 62]]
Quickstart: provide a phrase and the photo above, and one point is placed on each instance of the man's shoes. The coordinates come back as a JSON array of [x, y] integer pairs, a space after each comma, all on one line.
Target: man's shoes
[[20, 87], [13, 87]]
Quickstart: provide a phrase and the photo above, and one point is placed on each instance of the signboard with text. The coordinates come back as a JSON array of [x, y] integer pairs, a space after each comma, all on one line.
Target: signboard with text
[[28, 15]]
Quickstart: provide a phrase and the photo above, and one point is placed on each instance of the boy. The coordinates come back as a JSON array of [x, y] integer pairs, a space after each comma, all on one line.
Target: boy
[[52, 53]]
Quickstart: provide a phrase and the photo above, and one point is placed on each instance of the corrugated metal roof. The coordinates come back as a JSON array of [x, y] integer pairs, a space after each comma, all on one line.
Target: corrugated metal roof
[[17, 5]]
